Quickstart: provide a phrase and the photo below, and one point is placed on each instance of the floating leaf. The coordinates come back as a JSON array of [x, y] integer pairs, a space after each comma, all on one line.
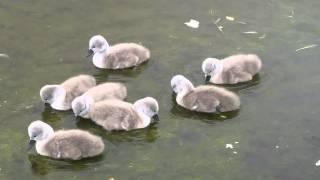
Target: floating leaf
[[229, 18], [192, 23]]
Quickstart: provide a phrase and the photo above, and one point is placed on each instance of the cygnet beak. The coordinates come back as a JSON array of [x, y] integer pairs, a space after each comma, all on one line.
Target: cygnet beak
[[31, 144], [90, 52], [156, 118], [208, 77]]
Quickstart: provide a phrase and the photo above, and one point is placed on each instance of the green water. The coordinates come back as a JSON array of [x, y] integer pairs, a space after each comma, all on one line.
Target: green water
[[277, 126]]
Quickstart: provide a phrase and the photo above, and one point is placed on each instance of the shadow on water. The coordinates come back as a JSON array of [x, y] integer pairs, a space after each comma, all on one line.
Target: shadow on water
[[119, 75], [241, 86], [50, 115], [210, 118], [41, 165], [146, 135]]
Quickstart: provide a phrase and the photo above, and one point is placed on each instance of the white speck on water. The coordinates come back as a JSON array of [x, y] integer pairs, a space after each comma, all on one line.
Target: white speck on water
[[229, 18], [277, 147], [192, 23], [235, 152], [229, 146], [262, 36], [4, 55], [250, 32], [317, 163], [29, 106], [236, 142]]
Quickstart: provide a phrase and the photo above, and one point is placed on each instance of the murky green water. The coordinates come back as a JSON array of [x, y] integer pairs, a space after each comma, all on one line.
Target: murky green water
[[277, 127]]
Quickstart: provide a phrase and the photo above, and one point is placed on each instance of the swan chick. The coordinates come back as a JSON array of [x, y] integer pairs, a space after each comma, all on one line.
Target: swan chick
[[71, 144], [60, 96], [114, 114], [119, 56], [207, 99], [231, 70], [109, 90]]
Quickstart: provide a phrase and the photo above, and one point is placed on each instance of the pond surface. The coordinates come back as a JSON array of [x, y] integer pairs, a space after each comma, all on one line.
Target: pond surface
[[277, 126]]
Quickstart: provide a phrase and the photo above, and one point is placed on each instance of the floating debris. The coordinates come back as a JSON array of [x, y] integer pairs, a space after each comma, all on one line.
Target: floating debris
[[250, 32], [4, 55], [111, 178], [236, 142], [291, 15], [235, 152], [241, 22], [192, 23], [229, 146], [307, 47], [28, 107], [229, 18], [317, 163], [262, 36], [277, 147], [219, 27], [217, 21]]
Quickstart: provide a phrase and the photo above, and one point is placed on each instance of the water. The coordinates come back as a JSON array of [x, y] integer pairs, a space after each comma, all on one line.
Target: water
[[276, 127]]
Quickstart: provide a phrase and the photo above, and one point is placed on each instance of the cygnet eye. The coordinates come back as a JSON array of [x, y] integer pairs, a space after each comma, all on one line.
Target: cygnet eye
[[174, 86]]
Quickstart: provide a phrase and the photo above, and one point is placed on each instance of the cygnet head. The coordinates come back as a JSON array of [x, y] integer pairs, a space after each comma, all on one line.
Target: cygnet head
[[180, 84], [38, 131], [80, 106], [148, 106], [210, 67], [97, 43], [49, 93]]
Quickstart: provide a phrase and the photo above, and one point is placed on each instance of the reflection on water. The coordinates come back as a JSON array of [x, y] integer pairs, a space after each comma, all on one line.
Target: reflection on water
[[122, 75], [42, 165], [146, 135]]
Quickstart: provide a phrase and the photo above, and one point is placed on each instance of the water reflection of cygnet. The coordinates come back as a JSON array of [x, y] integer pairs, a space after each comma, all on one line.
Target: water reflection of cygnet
[[123, 75], [41, 165], [139, 136]]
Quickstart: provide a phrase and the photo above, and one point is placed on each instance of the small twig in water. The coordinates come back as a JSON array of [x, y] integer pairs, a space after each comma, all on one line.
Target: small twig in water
[[216, 23], [307, 47]]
